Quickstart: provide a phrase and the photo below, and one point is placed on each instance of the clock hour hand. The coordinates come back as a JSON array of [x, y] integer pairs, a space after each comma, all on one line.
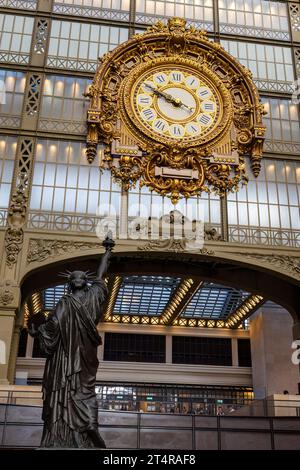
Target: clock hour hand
[[175, 101]]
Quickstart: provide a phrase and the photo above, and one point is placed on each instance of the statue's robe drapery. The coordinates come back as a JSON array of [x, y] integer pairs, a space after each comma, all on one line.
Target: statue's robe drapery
[[70, 340]]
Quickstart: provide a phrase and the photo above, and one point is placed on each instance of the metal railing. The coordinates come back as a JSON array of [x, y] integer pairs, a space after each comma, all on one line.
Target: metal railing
[[21, 427], [70, 222]]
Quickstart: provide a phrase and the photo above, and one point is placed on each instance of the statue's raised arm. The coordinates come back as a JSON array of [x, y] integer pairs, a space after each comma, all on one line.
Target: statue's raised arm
[[108, 244]]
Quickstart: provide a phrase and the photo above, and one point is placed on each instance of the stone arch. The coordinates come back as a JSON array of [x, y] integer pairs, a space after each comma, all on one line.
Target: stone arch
[[266, 275]]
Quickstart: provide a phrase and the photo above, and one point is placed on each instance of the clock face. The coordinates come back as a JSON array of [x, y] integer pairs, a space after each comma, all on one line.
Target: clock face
[[175, 103]]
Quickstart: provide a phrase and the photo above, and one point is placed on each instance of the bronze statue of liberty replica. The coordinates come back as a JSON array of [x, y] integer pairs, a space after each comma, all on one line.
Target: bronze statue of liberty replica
[[70, 339]]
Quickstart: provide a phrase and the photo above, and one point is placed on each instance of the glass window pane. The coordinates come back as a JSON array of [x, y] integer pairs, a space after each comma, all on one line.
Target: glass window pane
[[38, 176], [65, 183], [58, 200], [16, 37], [271, 64], [70, 199], [284, 217], [82, 42], [35, 199], [295, 218], [232, 213], [264, 215], [47, 197]]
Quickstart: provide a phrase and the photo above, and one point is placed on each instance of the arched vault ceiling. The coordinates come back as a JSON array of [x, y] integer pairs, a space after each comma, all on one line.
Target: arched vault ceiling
[[185, 278], [162, 300]]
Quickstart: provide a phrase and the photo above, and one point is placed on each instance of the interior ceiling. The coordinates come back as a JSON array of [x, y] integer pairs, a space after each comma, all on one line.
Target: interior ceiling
[[166, 300], [260, 280]]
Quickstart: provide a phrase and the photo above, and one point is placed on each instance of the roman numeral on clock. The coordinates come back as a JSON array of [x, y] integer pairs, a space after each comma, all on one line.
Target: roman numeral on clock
[[192, 82], [177, 131], [176, 77], [208, 106], [193, 128], [204, 93], [144, 100], [160, 78], [160, 125], [204, 119], [148, 114]]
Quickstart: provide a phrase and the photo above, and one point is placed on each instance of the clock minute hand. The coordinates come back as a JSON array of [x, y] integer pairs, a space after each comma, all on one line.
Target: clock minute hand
[[162, 94], [166, 96], [155, 91], [190, 108]]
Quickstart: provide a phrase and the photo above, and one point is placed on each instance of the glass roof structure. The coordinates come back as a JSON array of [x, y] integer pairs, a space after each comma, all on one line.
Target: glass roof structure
[[151, 295], [144, 295], [214, 301], [52, 295]]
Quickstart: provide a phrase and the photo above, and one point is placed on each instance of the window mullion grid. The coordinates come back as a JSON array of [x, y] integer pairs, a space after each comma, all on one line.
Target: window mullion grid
[[11, 34], [279, 204], [268, 199], [14, 93], [88, 189], [287, 205], [55, 186], [42, 183], [247, 206], [23, 33], [288, 194], [76, 189]]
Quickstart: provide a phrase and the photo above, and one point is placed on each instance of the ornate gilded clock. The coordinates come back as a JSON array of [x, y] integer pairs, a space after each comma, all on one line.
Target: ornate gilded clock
[[174, 103], [175, 111]]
